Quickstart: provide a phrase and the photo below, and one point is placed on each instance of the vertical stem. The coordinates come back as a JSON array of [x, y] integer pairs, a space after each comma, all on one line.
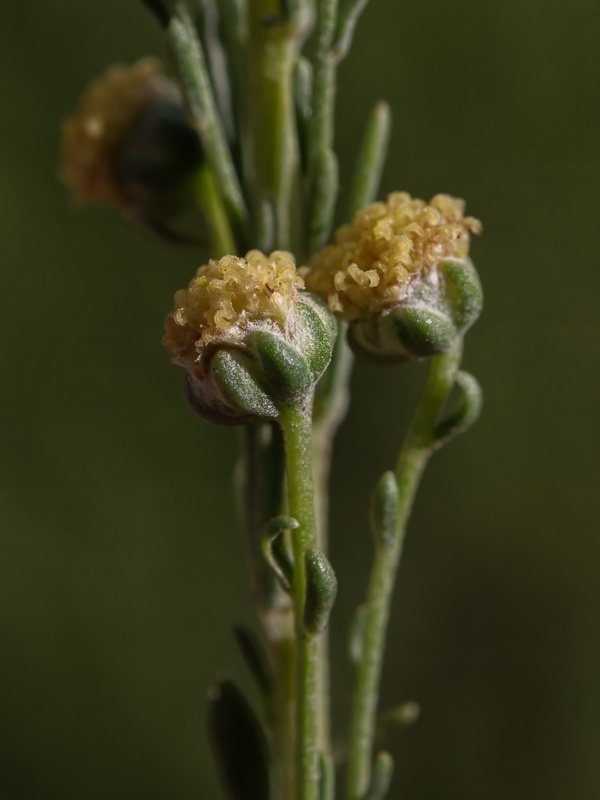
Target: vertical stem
[[296, 426], [272, 52], [213, 209], [418, 446]]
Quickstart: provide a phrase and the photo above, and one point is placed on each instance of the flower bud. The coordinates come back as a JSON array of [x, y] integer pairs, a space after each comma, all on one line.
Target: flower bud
[[401, 277], [130, 144], [251, 341]]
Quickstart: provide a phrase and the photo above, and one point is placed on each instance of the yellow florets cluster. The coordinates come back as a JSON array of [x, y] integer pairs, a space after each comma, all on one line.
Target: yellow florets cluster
[[229, 297], [371, 264], [93, 136]]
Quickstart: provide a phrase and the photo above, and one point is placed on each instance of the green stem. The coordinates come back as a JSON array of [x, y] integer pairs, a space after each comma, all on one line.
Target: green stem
[[272, 53], [211, 203], [296, 426], [419, 444]]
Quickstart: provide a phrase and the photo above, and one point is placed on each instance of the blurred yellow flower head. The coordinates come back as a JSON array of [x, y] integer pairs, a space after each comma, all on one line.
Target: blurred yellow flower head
[[372, 264], [93, 137]]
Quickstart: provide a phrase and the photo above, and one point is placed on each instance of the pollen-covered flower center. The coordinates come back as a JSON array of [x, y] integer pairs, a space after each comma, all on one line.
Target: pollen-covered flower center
[[230, 297], [373, 260]]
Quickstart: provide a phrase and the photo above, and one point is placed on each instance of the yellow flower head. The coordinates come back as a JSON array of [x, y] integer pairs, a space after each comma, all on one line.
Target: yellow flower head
[[374, 260], [107, 112], [228, 299]]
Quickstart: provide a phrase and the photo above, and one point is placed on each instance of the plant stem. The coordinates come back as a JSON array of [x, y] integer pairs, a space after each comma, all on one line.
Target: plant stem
[[419, 444], [296, 426], [272, 52], [215, 215]]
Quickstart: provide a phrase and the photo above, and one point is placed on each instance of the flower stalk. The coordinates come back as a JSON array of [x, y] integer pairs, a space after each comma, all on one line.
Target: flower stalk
[[296, 427], [420, 442], [273, 45]]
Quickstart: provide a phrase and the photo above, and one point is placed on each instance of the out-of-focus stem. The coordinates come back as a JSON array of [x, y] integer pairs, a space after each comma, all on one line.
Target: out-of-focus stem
[[272, 51], [217, 221]]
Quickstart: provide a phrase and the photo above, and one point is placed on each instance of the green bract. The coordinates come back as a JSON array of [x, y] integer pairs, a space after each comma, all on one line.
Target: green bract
[[440, 306], [270, 369]]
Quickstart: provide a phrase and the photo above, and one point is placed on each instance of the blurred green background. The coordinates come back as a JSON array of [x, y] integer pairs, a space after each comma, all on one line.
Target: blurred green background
[[122, 562]]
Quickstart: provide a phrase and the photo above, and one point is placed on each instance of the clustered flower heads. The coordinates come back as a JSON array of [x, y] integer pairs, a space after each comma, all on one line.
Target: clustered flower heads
[[249, 337], [399, 274], [129, 138]]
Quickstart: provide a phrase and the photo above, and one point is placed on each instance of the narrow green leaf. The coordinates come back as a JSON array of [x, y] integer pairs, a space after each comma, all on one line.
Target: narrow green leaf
[[303, 78], [275, 552], [238, 742], [266, 225], [325, 190], [384, 510], [356, 637], [321, 591], [303, 87], [371, 158], [210, 23], [190, 62], [255, 657], [466, 414], [383, 770], [327, 778], [347, 21]]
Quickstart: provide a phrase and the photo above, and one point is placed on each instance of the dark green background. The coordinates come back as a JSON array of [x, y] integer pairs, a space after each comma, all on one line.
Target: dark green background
[[122, 565]]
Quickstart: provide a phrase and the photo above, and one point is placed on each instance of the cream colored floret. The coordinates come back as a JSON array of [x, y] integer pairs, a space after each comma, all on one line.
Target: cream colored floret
[[371, 264], [227, 298]]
